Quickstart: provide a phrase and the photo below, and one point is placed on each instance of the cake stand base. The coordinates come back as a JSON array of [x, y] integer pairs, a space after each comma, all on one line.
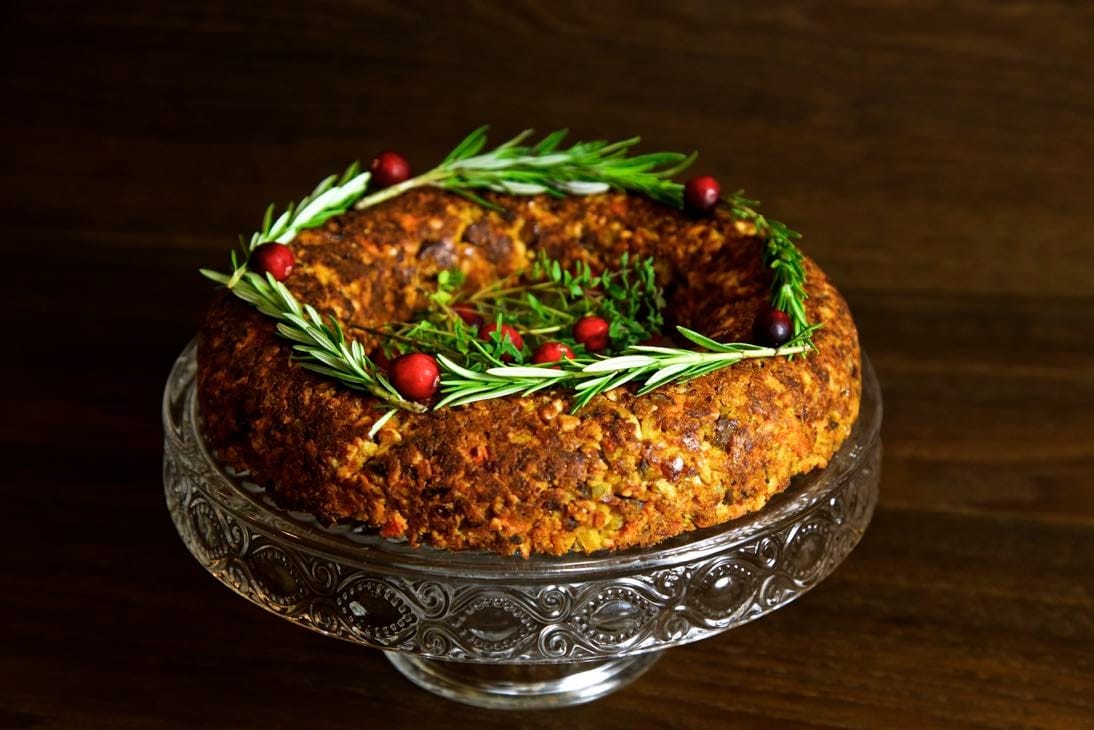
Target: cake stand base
[[497, 631], [522, 686]]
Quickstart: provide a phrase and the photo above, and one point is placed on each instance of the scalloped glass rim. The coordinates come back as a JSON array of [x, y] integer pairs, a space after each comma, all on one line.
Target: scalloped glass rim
[[245, 502]]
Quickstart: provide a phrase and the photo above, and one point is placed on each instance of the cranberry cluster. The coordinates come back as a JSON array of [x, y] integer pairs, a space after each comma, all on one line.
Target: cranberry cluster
[[417, 377]]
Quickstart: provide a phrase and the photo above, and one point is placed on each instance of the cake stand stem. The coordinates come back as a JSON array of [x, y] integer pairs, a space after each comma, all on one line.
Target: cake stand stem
[[522, 686]]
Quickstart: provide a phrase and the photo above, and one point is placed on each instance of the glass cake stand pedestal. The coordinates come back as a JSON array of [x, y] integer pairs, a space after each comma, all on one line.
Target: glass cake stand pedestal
[[505, 632]]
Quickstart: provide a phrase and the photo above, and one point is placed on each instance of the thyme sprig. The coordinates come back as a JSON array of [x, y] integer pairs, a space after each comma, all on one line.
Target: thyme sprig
[[628, 297], [542, 304]]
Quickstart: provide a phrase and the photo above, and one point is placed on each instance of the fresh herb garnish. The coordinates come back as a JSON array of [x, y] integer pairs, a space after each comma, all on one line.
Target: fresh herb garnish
[[546, 167], [781, 255], [652, 366], [543, 303], [319, 345]]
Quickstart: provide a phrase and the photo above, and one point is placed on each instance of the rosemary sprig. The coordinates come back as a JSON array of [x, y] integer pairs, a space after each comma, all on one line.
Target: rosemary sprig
[[516, 168], [320, 346], [781, 255], [333, 196], [588, 377]]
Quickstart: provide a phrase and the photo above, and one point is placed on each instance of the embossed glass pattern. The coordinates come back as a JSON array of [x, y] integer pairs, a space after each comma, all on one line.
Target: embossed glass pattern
[[504, 631]]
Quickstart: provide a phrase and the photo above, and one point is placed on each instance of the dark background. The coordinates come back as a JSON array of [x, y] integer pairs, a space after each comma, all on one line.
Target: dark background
[[939, 158]]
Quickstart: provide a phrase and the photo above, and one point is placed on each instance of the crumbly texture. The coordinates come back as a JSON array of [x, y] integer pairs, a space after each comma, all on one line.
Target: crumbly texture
[[522, 474]]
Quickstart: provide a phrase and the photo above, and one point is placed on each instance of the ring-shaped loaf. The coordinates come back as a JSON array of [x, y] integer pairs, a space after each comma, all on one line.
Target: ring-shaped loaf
[[522, 474]]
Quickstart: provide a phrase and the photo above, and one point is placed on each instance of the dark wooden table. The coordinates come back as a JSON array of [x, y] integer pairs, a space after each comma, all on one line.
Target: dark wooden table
[[938, 157]]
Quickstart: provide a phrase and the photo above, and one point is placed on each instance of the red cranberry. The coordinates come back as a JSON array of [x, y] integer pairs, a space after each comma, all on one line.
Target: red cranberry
[[274, 259], [592, 332], [552, 352], [772, 328], [416, 375], [507, 333], [389, 168], [701, 195], [468, 314]]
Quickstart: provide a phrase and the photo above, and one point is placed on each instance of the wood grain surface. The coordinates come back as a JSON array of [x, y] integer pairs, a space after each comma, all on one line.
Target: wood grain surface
[[939, 158]]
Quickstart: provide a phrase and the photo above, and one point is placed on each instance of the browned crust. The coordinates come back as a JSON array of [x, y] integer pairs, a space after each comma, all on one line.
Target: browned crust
[[520, 474]]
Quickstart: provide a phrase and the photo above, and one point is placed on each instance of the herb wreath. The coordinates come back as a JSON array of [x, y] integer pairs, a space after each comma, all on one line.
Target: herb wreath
[[478, 337]]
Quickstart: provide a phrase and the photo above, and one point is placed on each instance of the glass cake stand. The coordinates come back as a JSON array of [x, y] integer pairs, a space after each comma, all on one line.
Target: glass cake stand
[[505, 632]]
